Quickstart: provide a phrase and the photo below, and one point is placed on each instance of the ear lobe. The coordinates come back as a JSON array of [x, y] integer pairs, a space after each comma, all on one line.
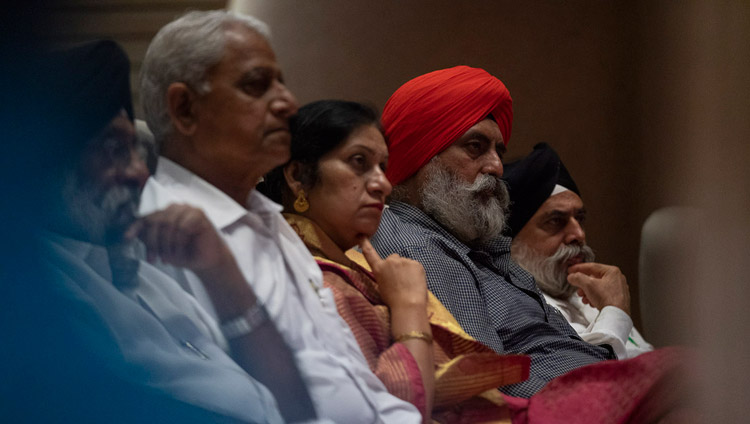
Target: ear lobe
[[291, 175], [180, 102]]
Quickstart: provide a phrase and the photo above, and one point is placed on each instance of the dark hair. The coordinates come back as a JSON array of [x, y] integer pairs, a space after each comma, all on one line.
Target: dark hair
[[318, 128]]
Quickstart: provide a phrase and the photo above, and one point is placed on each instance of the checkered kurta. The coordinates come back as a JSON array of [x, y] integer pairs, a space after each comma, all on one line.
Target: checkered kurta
[[493, 299]]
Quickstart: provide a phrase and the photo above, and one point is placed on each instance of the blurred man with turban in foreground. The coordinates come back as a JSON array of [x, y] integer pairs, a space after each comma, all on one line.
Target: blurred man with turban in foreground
[[447, 132], [97, 334], [547, 226]]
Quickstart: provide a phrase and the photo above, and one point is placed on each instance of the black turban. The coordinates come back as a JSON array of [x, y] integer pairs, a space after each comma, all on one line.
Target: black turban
[[65, 98], [530, 183], [90, 84], [58, 101]]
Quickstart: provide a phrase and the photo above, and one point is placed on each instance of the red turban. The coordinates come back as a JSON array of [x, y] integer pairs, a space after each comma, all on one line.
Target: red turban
[[425, 115]]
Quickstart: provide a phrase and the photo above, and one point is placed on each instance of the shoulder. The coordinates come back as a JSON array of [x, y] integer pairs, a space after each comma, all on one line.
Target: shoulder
[[399, 234], [334, 274]]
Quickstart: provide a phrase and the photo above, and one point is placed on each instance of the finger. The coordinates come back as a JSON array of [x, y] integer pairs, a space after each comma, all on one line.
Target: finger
[[179, 232], [191, 225], [182, 238], [589, 268], [369, 252], [580, 280], [149, 236], [134, 229], [168, 234]]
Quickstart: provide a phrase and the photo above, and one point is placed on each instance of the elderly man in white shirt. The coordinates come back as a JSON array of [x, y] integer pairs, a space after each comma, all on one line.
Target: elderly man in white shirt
[[549, 241], [217, 105]]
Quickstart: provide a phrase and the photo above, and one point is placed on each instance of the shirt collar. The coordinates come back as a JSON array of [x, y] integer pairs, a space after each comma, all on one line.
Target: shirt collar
[[220, 209]]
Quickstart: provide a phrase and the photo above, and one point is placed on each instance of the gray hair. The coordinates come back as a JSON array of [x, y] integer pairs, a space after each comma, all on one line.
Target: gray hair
[[183, 51]]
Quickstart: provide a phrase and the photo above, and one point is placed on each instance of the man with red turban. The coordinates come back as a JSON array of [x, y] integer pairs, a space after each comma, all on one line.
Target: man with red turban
[[447, 131]]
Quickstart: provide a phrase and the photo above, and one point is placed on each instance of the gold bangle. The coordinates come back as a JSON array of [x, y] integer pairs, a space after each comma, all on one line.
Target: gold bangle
[[411, 335]]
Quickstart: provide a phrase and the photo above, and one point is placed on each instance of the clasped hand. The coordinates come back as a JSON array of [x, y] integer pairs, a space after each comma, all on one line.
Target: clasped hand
[[181, 235], [600, 285]]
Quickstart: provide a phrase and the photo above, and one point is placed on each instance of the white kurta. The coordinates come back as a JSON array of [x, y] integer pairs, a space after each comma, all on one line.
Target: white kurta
[[159, 332], [611, 326], [288, 281]]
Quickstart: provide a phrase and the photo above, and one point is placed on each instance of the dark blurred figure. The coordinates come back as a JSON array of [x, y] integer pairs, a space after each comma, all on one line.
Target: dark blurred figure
[[92, 333]]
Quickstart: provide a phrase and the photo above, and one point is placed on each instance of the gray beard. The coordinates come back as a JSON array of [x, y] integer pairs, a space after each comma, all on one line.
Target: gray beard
[[551, 273], [475, 213], [104, 216]]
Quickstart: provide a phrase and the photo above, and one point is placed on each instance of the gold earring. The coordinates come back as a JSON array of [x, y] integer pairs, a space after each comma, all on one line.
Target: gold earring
[[301, 204]]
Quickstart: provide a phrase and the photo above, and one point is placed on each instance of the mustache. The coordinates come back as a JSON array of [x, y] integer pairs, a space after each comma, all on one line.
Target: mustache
[[117, 209], [488, 185], [551, 272], [567, 252]]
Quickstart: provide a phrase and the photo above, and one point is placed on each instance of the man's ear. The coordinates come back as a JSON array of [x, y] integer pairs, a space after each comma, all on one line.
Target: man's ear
[[292, 172], [180, 102]]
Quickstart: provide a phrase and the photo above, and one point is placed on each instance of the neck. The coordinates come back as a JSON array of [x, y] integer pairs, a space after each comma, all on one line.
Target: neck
[[238, 187], [316, 240]]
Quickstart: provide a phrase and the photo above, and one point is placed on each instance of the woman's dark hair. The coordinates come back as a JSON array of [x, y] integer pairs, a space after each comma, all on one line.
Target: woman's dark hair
[[318, 128]]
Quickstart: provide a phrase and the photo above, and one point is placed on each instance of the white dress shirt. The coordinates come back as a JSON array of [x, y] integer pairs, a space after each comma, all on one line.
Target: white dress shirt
[[611, 326], [159, 333], [288, 281]]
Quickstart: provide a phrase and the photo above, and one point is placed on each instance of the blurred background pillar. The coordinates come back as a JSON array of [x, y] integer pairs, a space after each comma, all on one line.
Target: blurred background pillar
[[694, 116]]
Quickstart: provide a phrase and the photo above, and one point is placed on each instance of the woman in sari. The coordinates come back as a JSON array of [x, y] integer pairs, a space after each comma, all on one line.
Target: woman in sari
[[333, 190]]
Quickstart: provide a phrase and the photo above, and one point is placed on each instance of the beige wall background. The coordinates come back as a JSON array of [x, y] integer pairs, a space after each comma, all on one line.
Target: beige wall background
[[647, 102], [571, 68]]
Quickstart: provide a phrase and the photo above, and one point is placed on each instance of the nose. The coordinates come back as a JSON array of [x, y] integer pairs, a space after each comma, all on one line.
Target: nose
[[284, 104], [574, 232], [378, 185], [492, 165], [136, 171]]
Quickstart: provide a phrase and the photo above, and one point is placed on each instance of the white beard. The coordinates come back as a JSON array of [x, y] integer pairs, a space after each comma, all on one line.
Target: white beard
[[474, 212], [103, 215], [551, 273]]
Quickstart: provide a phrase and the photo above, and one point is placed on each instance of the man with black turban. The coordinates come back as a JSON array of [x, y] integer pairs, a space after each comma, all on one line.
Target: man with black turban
[[547, 225], [98, 335]]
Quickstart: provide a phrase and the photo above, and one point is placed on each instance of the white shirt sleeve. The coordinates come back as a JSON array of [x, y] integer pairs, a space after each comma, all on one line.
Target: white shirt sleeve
[[611, 326]]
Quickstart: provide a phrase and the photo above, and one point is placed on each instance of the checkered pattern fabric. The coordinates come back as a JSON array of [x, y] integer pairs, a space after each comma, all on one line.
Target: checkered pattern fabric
[[494, 300]]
